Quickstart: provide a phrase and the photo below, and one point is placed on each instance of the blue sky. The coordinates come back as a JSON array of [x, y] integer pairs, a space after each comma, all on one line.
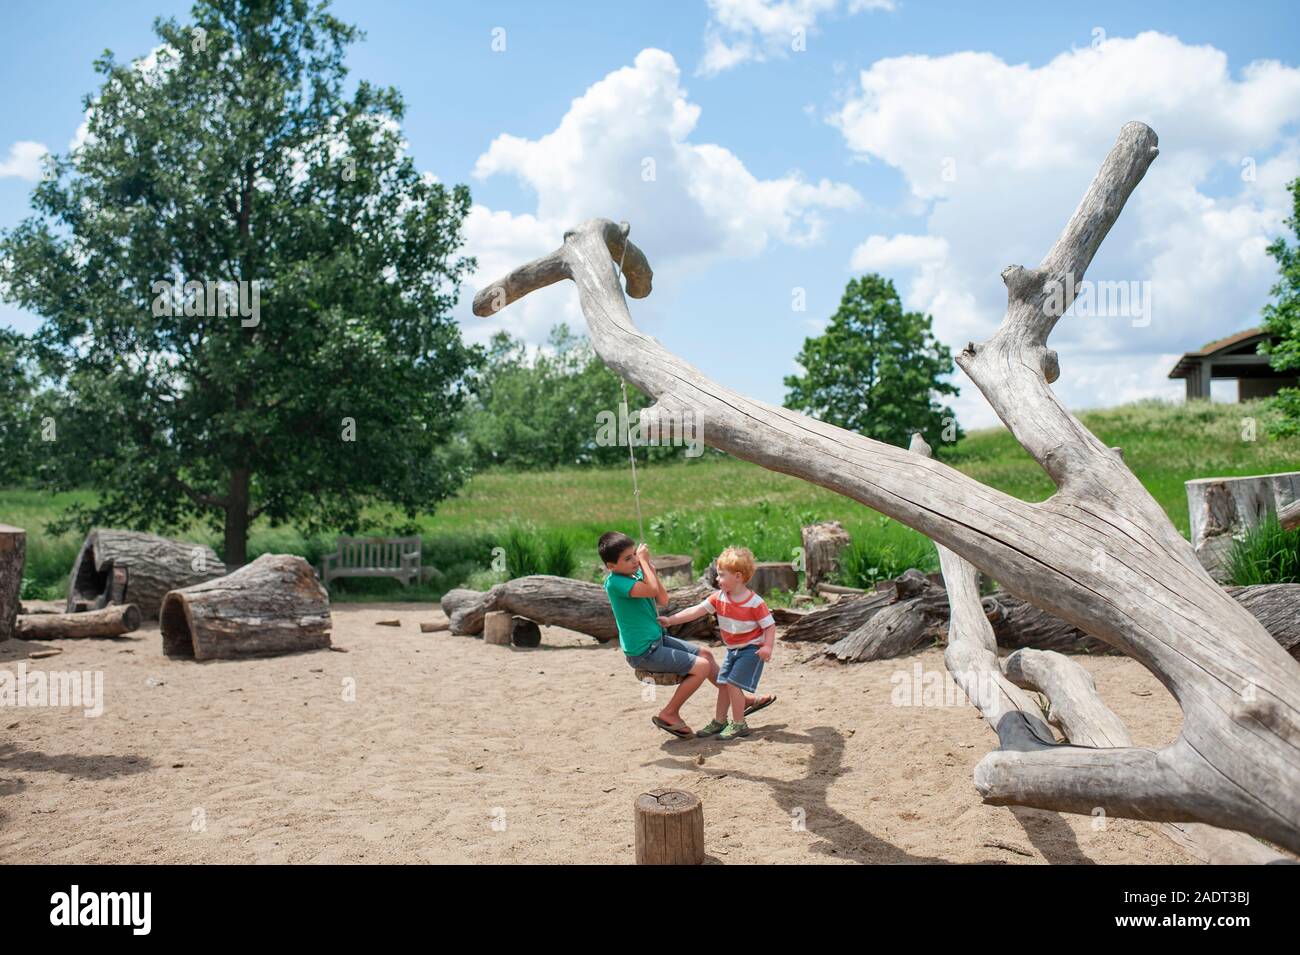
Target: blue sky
[[932, 142]]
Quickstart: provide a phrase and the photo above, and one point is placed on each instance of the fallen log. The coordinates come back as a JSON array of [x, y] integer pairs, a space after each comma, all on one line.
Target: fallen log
[[115, 567], [834, 623], [561, 602], [105, 622], [896, 629], [274, 605], [13, 558]]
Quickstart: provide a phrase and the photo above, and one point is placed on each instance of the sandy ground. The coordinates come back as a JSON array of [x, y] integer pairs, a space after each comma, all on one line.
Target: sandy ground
[[419, 747]]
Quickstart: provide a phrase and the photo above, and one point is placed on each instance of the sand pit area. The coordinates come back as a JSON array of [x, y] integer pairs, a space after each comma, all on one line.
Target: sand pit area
[[427, 747]]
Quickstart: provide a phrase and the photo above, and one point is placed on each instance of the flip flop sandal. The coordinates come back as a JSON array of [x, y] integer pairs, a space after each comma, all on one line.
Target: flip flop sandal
[[680, 730], [761, 702]]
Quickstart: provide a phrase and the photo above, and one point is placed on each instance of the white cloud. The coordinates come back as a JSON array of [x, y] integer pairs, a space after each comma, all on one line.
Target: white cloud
[[623, 151], [998, 156], [24, 161], [742, 30]]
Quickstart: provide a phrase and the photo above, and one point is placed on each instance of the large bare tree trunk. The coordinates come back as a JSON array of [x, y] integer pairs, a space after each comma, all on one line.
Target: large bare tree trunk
[[1100, 553]]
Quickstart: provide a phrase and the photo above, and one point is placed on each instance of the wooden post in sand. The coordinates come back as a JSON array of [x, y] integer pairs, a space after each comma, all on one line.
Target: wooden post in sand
[[669, 828], [497, 625]]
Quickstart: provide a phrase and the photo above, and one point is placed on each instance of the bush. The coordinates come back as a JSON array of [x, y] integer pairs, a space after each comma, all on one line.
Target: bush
[[1265, 554], [865, 562]]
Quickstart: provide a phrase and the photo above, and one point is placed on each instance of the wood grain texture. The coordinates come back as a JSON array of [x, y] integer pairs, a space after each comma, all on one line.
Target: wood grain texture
[[669, 825]]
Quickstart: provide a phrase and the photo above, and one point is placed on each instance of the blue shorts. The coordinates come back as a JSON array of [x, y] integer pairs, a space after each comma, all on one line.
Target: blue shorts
[[666, 655], [742, 668]]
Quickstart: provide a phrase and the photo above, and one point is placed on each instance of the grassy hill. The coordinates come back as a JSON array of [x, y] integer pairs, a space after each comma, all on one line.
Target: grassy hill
[[699, 506]]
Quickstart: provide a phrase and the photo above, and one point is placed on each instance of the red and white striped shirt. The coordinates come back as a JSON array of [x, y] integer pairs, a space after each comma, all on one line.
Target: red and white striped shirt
[[742, 623]]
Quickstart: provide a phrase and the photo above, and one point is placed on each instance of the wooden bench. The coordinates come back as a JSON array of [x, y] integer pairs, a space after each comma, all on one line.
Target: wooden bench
[[396, 557]]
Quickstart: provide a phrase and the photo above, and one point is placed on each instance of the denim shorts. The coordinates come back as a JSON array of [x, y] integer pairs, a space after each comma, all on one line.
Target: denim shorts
[[666, 655], [742, 668]]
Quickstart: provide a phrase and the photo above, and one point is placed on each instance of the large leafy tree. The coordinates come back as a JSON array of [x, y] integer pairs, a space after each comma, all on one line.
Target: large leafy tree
[[18, 418], [876, 370], [539, 410], [1282, 317], [233, 154]]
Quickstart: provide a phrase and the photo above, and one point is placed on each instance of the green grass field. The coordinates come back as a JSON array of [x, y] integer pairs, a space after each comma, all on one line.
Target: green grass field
[[699, 506]]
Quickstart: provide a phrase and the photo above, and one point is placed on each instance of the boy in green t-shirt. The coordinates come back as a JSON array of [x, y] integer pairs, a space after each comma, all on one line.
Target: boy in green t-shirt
[[635, 594]]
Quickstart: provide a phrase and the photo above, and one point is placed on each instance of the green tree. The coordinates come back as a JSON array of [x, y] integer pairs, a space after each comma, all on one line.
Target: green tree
[[1282, 318], [876, 370], [540, 410], [19, 423], [232, 155]]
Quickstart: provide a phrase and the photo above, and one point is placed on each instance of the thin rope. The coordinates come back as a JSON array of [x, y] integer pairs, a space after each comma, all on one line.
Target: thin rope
[[627, 429]]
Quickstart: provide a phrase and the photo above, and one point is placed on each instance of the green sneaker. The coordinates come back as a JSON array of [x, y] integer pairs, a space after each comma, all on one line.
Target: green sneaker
[[713, 728], [734, 729]]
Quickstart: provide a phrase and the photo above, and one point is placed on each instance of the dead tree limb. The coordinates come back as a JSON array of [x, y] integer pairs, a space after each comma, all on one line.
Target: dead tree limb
[[1100, 553], [1089, 726]]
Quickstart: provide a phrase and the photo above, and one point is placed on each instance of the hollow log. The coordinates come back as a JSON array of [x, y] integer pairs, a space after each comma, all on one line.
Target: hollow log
[[272, 606], [13, 558], [669, 828], [1100, 552], [105, 622], [822, 545], [524, 632], [561, 602], [153, 566]]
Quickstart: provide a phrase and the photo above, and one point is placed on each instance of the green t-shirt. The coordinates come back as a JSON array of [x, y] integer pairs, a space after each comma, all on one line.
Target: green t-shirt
[[637, 617]]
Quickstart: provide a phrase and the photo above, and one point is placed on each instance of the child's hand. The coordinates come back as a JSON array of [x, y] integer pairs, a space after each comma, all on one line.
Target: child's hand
[[765, 653], [665, 621], [643, 553]]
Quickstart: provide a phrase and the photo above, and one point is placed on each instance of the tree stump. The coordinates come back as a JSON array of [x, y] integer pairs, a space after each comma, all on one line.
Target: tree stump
[[669, 828], [770, 575], [1220, 508], [674, 570], [822, 545], [13, 558], [497, 625], [153, 567], [105, 622], [525, 632], [274, 605], [659, 679]]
